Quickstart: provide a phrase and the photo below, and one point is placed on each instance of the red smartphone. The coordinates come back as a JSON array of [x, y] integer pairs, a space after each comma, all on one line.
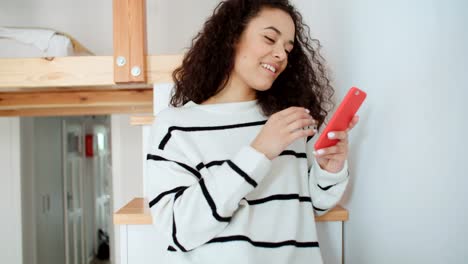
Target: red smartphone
[[342, 117]]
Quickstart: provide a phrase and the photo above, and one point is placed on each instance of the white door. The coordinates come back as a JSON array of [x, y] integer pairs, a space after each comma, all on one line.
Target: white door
[[73, 190], [48, 190]]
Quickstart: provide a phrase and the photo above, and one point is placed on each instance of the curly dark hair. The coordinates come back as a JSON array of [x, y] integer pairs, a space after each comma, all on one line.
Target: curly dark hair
[[207, 65]]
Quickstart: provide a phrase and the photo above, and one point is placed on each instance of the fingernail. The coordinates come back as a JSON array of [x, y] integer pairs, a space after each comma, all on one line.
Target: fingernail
[[315, 152], [307, 110], [320, 151], [331, 135]]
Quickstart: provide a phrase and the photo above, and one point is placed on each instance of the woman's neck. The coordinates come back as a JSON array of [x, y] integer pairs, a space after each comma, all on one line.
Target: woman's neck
[[234, 91]]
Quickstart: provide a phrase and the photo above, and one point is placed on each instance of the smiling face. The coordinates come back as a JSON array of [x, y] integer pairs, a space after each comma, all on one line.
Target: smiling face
[[262, 50]]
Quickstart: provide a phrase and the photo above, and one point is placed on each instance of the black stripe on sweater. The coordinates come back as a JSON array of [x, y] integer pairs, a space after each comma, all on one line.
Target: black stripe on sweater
[[293, 153], [326, 188], [201, 165], [183, 165], [242, 173], [277, 197], [205, 192], [178, 190], [263, 243], [174, 234], [233, 166], [319, 209], [178, 194], [211, 203], [168, 135], [171, 248]]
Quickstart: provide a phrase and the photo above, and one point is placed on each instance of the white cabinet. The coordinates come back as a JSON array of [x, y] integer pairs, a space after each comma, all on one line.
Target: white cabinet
[[48, 190], [140, 242]]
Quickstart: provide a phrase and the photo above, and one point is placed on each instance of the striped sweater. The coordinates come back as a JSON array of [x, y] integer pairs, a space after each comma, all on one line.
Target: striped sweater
[[218, 200]]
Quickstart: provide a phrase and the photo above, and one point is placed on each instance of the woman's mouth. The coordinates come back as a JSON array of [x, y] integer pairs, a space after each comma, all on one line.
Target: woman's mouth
[[269, 67]]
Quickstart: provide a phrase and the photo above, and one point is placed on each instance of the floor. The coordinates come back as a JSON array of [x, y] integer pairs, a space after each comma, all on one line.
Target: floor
[[98, 261]]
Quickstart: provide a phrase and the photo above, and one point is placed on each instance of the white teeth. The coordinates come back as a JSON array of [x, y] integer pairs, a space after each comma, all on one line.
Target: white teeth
[[269, 67]]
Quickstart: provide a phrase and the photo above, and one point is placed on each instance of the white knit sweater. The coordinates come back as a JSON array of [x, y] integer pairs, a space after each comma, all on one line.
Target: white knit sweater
[[218, 200]]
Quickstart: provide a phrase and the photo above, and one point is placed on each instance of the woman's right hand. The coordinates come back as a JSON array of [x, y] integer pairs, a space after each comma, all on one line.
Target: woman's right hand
[[282, 128]]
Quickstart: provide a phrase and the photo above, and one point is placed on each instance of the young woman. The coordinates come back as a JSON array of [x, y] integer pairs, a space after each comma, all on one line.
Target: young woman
[[232, 175]]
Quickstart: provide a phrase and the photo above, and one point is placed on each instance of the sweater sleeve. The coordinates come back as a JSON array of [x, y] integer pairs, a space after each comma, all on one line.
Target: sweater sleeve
[[192, 203], [326, 188]]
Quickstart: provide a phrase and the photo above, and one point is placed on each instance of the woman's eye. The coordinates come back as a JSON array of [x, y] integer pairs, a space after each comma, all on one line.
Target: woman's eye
[[270, 39]]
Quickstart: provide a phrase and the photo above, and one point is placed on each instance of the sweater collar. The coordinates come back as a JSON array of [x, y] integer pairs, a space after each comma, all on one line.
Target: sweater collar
[[234, 107]]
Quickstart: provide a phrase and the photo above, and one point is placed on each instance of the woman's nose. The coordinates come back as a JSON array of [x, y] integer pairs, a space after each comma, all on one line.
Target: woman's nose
[[279, 53]]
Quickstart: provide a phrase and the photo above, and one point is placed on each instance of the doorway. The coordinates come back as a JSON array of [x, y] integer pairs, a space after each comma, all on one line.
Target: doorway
[[66, 188]]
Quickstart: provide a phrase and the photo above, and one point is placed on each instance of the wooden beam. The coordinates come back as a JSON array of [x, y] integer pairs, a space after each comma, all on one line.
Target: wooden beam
[[129, 41], [134, 86], [70, 111], [141, 120], [20, 100], [40, 73], [76, 102], [60, 71]]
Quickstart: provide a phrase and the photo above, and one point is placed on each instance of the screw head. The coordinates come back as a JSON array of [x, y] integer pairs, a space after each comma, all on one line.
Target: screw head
[[136, 71], [121, 61]]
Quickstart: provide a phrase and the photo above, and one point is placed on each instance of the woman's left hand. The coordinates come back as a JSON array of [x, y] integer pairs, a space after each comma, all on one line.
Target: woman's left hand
[[332, 159]]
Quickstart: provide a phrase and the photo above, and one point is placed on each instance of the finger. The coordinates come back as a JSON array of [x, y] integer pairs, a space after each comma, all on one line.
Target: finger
[[291, 110], [299, 124], [301, 133], [353, 122], [336, 157], [340, 135], [337, 149], [297, 115]]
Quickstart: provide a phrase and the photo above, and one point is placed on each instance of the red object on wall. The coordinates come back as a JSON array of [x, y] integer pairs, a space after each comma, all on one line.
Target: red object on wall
[[89, 146]]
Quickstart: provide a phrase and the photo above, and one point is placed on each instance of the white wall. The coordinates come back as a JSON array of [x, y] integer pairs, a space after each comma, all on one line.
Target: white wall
[[127, 171], [10, 198], [407, 198], [90, 22], [126, 165]]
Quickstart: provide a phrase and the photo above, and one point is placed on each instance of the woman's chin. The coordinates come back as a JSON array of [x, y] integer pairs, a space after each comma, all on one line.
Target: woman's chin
[[261, 87]]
